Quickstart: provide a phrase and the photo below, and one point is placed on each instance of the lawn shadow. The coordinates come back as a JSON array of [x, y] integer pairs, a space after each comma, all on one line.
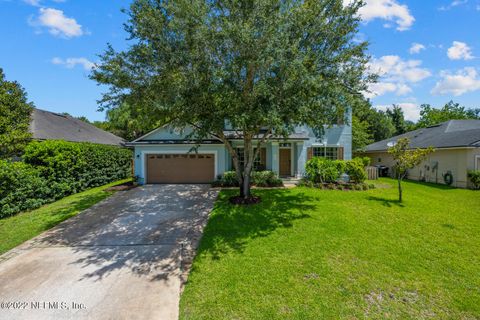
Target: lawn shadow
[[231, 227], [386, 202]]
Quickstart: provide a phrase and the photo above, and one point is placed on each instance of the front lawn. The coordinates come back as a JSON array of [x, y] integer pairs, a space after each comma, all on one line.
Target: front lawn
[[312, 254], [26, 225]]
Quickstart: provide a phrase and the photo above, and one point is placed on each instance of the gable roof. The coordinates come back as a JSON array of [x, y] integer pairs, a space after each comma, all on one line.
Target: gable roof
[[46, 125], [168, 135], [449, 134]]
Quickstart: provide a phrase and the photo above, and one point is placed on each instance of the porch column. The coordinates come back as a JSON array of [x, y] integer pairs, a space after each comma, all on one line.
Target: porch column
[[300, 159], [275, 158]]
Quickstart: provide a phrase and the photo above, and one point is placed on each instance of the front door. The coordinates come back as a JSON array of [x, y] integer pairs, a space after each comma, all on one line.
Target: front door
[[285, 162]]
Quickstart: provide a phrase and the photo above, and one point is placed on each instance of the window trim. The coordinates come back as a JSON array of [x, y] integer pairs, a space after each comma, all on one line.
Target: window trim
[[326, 152]]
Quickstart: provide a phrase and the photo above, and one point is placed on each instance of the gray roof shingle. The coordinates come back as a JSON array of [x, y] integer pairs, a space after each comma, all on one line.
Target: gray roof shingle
[[453, 133], [47, 125]]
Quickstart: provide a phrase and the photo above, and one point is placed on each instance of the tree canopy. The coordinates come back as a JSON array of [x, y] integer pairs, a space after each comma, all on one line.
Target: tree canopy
[[15, 113], [430, 116], [264, 66]]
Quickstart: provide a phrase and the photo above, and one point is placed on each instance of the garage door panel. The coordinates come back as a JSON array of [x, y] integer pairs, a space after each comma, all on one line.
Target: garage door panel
[[180, 168]]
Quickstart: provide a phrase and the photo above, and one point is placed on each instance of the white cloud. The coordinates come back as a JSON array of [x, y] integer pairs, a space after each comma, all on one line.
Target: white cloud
[[454, 3], [389, 10], [57, 23], [416, 48], [463, 81], [73, 62], [459, 51], [35, 3], [395, 75], [410, 110], [393, 68]]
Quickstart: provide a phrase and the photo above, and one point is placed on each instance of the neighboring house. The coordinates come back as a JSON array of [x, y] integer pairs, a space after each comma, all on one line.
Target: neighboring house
[[457, 150], [164, 155], [47, 125]]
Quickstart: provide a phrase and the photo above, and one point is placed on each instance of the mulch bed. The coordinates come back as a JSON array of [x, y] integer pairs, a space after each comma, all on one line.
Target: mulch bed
[[123, 187], [240, 200]]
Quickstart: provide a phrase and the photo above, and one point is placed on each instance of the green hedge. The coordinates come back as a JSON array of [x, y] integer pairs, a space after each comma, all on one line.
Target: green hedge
[[55, 169], [258, 178], [21, 188], [321, 170]]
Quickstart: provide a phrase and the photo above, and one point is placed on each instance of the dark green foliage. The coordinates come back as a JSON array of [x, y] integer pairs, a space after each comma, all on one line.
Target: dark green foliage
[[261, 64], [356, 170], [474, 177], [369, 125], [54, 169], [266, 179], [321, 170], [398, 119], [259, 178], [430, 116], [21, 188], [14, 118]]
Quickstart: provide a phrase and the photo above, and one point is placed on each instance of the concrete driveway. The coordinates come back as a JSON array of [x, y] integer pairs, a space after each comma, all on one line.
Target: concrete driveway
[[124, 258]]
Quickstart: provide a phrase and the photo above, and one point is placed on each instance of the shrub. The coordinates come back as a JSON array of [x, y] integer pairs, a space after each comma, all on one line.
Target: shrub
[[266, 179], [21, 188], [364, 160], [322, 170], [258, 178], [356, 170], [474, 176], [54, 169], [72, 167]]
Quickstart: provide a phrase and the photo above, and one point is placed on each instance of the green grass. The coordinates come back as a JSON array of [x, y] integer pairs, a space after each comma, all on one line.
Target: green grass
[[26, 225], [312, 254]]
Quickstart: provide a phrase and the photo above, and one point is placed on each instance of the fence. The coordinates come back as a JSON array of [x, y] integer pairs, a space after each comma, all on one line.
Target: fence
[[372, 173]]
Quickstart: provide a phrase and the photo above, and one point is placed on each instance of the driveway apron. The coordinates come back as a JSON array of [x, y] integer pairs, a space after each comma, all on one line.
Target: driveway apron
[[123, 258]]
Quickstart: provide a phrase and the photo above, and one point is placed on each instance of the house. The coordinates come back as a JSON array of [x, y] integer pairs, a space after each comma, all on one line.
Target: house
[[457, 150], [164, 155], [46, 125]]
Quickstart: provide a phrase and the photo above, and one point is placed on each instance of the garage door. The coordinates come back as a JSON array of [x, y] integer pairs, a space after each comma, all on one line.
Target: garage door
[[180, 168]]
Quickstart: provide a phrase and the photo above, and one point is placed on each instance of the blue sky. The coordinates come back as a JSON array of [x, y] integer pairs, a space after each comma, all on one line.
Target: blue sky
[[426, 51]]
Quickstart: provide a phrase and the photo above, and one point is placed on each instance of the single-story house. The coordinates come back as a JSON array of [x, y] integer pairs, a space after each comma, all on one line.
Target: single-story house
[[165, 155], [457, 150], [46, 125]]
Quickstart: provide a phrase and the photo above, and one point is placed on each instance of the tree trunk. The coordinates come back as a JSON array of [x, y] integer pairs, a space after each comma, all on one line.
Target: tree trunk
[[400, 197], [249, 158]]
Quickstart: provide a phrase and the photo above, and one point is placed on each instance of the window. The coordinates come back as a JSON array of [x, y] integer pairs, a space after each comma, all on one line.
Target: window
[[328, 152], [260, 162]]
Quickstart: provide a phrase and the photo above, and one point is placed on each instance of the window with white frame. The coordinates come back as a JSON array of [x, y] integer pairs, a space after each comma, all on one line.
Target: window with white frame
[[330, 153], [258, 164]]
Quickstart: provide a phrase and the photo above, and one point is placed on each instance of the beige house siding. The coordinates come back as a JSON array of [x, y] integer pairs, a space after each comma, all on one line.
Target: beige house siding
[[457, 161]]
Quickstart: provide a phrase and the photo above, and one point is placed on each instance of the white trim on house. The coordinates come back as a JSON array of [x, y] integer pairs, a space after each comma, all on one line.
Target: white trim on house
[[176, 151], [147, 134]]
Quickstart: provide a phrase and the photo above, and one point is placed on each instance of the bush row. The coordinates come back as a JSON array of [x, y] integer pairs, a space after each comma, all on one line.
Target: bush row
[[336, 186], [54, 169], [259, 179], [474, 176], [321, 170]]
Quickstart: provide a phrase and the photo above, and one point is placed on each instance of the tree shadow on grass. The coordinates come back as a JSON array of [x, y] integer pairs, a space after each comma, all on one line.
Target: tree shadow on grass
[[386, 202], [231, 227]]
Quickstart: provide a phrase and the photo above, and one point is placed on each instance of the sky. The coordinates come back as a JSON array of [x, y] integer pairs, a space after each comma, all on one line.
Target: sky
[[425, 51]]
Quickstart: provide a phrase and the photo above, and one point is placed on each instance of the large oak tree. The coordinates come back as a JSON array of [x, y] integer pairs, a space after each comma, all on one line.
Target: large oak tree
[[265, 66]]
